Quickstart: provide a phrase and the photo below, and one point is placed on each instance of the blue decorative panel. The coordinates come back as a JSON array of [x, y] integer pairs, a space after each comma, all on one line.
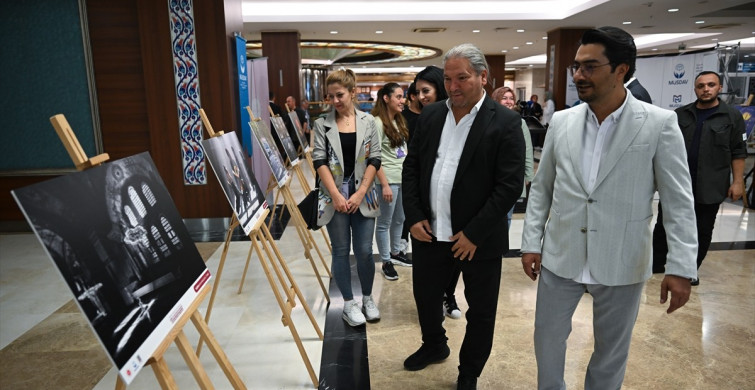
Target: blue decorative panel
[[186, 76]]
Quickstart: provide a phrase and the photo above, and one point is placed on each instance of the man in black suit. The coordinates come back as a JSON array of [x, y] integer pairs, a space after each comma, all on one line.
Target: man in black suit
[[638, 91], [463, 172]]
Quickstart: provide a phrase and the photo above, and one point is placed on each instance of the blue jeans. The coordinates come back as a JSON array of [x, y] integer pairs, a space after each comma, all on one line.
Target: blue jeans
[[389, 224], [341, 230]]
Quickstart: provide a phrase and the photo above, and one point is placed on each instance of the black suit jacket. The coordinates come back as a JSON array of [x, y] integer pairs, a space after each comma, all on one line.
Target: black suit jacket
[[488, 180], [639, 92]]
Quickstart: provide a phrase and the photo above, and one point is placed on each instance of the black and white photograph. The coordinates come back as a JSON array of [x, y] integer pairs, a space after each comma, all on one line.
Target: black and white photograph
[[288, 144], [272, 155], [303, 141], [119, 242], [236, 178]]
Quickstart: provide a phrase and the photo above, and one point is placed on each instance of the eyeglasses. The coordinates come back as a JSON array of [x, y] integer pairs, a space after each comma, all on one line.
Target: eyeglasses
[[586, 69]]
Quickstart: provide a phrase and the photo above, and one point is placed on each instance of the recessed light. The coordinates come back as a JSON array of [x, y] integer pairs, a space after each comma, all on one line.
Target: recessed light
[[520, 30], [545, 37], [528, 43], [516, 47], [714, 39], [475, 31], [699, 21], [334, 32], [504, 51], [531, 65], [379, 32], [673, 9], [626, 22], [655, 49]]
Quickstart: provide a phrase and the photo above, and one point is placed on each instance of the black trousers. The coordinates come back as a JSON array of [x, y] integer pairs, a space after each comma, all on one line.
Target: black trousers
[[432, 269], [705, 214]]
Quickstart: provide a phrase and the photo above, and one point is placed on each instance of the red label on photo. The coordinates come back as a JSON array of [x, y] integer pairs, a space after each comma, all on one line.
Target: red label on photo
[[198, 285]]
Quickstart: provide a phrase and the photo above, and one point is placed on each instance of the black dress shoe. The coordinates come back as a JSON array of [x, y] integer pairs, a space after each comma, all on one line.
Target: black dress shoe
[[466, 382], [695, 282], [426, 354]]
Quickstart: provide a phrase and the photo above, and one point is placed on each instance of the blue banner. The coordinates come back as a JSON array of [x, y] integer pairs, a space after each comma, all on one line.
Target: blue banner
[[243, 80]]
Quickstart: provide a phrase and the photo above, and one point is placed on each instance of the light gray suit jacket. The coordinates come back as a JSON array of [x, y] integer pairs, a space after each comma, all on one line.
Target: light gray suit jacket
[[368, 147], [609, 227]]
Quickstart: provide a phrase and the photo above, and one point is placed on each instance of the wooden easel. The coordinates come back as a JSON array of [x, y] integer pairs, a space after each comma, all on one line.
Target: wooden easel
[[285, 285], [301, 227], [296, 168], [72, 145], [157, 361]]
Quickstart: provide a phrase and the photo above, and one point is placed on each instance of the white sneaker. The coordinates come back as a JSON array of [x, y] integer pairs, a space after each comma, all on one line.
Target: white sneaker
[[351, 313], [370, 309]]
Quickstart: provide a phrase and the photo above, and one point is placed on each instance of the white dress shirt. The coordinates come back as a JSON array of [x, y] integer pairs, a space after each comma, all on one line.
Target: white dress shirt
[[595, 139], [452, 141]]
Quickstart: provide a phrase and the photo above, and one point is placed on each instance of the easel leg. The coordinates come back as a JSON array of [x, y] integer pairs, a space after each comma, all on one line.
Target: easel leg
[[214, 347], [184, 346], [164, 377], [234, 223], [246, 267], [119, 385], [286, 309], [294, 286], [289, 293], [308, 239]]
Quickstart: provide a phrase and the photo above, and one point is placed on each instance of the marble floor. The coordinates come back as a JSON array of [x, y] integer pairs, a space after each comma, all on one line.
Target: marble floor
[[709, 344]]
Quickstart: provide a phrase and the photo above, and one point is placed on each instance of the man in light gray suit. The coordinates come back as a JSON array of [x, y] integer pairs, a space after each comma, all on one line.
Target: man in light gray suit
[[601, 165]]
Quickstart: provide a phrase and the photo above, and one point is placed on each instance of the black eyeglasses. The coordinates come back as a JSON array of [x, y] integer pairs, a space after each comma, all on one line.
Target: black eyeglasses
[[586, 69]]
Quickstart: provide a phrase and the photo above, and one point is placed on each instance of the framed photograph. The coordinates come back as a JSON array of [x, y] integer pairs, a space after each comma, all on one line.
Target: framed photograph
[[288, 144], [236, 178], [272, 155], [303, 141], [117, 239]]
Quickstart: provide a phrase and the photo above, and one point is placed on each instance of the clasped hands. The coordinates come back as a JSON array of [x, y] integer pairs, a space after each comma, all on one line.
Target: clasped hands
[[463, 249], [348, 206], [678, 286]]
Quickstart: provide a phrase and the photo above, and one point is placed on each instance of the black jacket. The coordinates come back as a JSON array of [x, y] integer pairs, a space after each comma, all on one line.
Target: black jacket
[[639, 92], [721, 140], [488, 180]]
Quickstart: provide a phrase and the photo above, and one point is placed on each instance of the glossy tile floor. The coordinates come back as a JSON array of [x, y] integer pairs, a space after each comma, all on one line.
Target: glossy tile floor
[[709, 344]]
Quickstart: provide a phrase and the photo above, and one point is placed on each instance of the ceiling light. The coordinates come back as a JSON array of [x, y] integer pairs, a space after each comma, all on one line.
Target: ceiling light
[[379, 32], [531, 65], [475, 31], [743, 42], [655, 49], [651, 40], [520, 30], [545, 37], [673, 9], [504, 51], [334, 32], [714, 39], [626, 22], [528, 43], [699, 22], [537, 60], [516, 47]]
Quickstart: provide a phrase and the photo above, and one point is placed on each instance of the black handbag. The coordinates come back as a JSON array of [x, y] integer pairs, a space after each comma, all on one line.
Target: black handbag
[[308, 207]]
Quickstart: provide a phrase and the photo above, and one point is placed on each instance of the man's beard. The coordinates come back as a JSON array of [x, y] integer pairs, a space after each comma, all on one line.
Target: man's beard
[[584, 96], [706, 101]]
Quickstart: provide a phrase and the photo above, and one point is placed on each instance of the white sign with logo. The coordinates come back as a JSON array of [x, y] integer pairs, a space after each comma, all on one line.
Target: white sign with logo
[[670, 80]]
